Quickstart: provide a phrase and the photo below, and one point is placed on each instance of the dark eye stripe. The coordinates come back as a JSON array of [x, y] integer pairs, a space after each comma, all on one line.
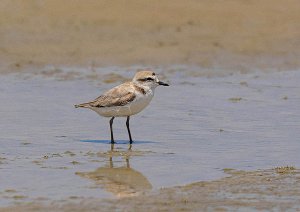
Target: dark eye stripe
[[146, 79]]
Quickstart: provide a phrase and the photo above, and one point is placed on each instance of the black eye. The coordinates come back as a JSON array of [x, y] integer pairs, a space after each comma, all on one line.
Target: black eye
[[149, 79]]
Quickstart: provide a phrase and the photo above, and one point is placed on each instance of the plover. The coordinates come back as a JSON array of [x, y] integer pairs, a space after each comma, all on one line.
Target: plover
[[126, 99]]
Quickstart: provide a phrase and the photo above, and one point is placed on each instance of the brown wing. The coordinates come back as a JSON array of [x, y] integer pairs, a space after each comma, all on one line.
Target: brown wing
[[109, 101], [118, 96]]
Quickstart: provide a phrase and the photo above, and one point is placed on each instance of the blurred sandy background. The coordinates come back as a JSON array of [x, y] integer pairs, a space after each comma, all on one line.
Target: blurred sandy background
[[225, 34]]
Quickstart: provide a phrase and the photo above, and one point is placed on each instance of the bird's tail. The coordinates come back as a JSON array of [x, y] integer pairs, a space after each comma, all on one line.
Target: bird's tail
[[86, 105]]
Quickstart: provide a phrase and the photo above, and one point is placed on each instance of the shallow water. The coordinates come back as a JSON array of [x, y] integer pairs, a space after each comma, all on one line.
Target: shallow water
[[191, 131]]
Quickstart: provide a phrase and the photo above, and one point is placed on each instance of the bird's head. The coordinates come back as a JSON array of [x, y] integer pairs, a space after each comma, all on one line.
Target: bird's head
[[148, 78]]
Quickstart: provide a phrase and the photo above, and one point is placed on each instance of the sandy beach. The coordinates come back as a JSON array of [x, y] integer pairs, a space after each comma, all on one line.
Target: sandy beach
[[222, 137], [233, 35]]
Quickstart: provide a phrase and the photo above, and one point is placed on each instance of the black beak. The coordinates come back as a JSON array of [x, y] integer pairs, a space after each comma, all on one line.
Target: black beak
[[163, 83]]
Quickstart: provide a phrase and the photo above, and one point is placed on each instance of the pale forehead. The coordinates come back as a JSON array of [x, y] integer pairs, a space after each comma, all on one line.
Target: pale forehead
[[143, 74]]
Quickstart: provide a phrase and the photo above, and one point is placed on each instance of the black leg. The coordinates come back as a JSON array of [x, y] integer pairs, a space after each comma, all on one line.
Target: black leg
[[127, 124], [112, 141]]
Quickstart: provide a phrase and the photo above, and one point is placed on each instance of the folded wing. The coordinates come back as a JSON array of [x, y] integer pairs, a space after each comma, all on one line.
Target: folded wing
[[118, 96]]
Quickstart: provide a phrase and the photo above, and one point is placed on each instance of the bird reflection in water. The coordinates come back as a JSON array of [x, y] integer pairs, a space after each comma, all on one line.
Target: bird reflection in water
[[122, 181]]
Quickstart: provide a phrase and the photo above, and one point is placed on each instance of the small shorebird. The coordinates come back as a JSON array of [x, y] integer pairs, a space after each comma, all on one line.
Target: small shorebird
[[126, 99]]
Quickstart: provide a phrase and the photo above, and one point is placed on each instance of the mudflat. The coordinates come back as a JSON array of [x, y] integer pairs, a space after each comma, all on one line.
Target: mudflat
[[55, 157], [277, 189]]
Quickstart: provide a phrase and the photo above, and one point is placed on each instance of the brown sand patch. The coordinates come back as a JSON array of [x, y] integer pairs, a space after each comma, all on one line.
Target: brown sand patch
[[222, 34]]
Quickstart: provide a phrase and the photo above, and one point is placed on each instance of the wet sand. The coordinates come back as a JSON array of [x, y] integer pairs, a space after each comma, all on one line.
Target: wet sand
[[277, 189], [63, 157], [234, 35]]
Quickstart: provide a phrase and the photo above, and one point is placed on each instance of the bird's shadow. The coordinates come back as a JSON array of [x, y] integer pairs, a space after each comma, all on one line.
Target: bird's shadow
[[116, 141]]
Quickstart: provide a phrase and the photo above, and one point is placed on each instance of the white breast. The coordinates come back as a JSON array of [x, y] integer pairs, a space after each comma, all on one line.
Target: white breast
[[137, 105]]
